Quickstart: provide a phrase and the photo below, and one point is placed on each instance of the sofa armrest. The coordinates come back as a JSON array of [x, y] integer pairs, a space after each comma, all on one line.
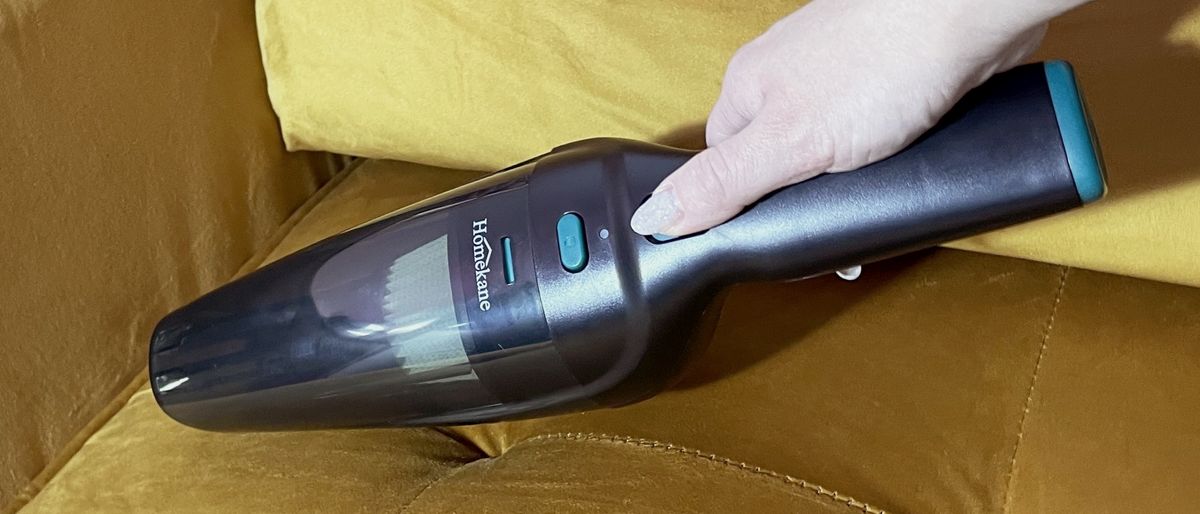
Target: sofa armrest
[[141, 165]]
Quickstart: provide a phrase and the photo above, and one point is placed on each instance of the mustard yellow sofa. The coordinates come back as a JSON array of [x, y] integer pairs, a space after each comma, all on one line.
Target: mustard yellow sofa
[[143, 167]]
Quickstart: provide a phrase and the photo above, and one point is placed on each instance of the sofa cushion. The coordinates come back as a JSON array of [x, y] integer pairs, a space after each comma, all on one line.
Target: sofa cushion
[[602, 473], [945, 381], [142, 461], [485, 86], [141, 165]]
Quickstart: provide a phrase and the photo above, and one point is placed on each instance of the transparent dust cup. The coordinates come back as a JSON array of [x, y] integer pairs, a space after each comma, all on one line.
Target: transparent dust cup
[[360, 330]]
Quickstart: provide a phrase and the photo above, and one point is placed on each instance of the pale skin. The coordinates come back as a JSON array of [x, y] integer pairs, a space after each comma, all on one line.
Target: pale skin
[[835, 86]]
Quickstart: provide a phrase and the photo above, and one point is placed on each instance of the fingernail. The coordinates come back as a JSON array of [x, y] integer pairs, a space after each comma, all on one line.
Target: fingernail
[[658, 213]]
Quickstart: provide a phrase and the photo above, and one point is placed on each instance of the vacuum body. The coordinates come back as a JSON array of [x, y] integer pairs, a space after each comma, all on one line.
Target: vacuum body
[[526, 293]]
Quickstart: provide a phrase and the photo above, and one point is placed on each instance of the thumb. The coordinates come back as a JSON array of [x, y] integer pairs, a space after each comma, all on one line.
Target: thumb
[[719, 182]]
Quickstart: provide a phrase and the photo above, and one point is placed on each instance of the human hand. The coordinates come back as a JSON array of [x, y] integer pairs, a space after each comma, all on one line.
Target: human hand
[[835, 86]]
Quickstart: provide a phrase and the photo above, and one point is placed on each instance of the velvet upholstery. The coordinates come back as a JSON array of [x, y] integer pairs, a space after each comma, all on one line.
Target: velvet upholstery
[[945, 381], [142, 165]]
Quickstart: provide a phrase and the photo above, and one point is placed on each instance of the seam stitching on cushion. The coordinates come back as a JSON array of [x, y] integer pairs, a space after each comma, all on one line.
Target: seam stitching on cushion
[[1033, 379], [725, 461], [404, 508], [76, 443]]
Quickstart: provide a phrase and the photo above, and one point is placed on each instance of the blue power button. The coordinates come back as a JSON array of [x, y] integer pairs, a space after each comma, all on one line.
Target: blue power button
[[572, 245]]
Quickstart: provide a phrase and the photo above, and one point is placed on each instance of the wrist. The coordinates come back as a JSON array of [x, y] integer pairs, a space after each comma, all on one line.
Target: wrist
[[1013, 17]]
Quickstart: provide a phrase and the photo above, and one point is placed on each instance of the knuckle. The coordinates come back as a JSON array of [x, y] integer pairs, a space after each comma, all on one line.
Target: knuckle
[[820, 148], [803, 142], [743, 58], [743, 70]]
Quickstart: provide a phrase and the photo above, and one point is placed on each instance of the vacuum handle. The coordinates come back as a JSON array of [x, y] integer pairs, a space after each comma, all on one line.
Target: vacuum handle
[[1016, 148]]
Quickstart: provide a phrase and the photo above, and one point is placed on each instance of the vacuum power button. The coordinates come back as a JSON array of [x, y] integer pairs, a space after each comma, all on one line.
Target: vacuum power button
[[572, 245]]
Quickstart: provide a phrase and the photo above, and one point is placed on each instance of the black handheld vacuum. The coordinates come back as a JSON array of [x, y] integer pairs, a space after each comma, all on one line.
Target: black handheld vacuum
[[526, 293]]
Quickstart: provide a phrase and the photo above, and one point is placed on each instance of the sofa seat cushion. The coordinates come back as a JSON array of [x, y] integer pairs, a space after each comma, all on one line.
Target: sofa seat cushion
[[142, 460], [944, 381]]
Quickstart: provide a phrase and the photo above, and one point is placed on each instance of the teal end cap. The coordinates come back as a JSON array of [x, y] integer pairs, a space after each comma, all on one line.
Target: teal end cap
[[1079, 140]]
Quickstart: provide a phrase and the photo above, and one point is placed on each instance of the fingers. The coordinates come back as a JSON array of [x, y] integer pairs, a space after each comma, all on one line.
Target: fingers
[[727, 118], [738, 103], [851, 80], [719, 182]]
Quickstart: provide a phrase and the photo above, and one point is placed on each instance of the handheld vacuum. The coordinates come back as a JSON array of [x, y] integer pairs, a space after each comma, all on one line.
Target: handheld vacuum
[[526, 293]]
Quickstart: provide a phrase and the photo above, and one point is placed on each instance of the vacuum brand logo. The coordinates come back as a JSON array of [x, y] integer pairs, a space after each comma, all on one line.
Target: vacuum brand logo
[[481, 250]]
